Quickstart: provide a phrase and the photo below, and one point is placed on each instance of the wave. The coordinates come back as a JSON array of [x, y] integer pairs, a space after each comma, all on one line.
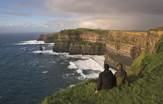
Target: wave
[[33, 42], [72, 65], [82, 75], [93, 62], [50, 52], [72, 85], [30, 42], [44, 72], [84, 63]]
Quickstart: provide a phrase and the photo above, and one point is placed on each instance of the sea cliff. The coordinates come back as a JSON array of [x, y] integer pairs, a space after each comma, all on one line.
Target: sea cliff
[[116, 45], [78, 41]]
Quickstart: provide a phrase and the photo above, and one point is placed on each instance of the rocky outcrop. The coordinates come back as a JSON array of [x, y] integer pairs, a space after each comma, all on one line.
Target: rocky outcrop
[[48, 38], [42, 38]]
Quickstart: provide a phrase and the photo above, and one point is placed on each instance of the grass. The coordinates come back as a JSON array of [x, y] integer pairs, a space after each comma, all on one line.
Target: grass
[[147, 89], [79, 31], [75, 34], [136, 66], [159, 46]]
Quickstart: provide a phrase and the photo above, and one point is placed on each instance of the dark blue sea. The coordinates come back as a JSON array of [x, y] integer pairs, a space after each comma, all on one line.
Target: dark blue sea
[[26, 77]]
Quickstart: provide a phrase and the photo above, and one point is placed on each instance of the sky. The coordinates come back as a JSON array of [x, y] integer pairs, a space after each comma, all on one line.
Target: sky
[[54, 15]]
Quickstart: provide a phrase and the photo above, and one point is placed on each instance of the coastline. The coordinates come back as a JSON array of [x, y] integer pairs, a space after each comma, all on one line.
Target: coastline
[[135, 65]]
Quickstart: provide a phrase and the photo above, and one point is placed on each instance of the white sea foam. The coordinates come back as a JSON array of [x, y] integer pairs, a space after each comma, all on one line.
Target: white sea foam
[[50, 44], [31, 42], [72, 65], [92, 75], [86, 62], [82, 75], [34, 42], [92, 62], [50, 52], [44, 72], [72, 85]]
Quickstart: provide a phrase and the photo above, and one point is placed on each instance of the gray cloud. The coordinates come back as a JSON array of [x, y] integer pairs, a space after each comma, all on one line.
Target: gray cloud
[[108, 6], [112, 14]]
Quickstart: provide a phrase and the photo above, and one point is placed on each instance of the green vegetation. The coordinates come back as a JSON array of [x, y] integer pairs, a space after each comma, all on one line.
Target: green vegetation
[[137, 66], [146, 89], [78, 41], [83, 30], [75, 34], [51, 38], [157, 29], [82, 42], [159, 46], [97, 44]]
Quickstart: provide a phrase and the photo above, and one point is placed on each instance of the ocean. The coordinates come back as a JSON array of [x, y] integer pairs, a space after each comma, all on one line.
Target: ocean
[[27, 75]]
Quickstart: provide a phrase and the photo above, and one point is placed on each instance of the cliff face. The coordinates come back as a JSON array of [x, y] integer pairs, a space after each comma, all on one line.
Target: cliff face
[[87, 48], [118, 46], [152, 38], [80, 41], [124, 41], [125, 46]]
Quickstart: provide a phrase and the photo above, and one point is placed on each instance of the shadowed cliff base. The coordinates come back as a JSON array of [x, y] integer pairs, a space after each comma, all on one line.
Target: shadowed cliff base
[[114, 58]]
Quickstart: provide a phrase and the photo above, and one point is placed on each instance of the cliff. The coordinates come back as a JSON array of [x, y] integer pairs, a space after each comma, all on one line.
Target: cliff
[[118, 46], [125, 46], [79, 41]]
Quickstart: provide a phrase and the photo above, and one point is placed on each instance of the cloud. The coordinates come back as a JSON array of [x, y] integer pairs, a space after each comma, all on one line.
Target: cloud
[[112, 14], [62, 23], [108, 6]]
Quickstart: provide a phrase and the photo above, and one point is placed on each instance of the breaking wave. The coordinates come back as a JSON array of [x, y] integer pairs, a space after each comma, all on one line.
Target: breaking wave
[[30, 42], [33, 42], [90, 67], [87, 66], [50, 52]]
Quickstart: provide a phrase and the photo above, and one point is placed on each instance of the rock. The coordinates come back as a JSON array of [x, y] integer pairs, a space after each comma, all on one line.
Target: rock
[[135, 51]]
